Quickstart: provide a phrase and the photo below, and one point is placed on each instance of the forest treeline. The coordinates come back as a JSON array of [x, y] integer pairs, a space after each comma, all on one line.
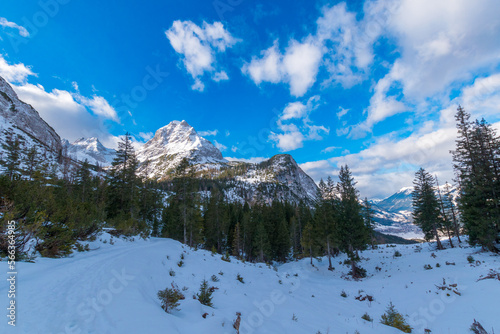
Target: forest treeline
[[54, 211]]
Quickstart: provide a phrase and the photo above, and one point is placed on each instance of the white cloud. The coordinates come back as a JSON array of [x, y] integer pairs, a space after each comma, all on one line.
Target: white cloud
[[220, 146], [443, 41], [298, 66], [389, 164], [296, 127], [220, 76], [17, 73], [330, 149], [99, 105], [343, 45], [145, 136], [7, 24], [208, 133], [442, 44], [342, 112], [198, 47], [67, 116]]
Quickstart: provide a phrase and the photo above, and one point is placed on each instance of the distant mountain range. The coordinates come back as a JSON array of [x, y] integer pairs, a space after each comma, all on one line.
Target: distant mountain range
[[393, 214]]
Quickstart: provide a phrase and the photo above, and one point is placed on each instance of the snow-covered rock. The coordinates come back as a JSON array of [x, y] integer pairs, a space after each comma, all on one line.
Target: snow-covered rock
[[23, 117], [173, 143], [89, 149]]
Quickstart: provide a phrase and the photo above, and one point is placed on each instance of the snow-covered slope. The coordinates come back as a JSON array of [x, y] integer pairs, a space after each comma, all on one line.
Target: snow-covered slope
[[113, 289], [89, 149], [17, 114]]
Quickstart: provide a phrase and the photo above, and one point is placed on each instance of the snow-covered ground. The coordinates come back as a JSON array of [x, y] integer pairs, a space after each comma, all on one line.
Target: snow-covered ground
[[112, 289]]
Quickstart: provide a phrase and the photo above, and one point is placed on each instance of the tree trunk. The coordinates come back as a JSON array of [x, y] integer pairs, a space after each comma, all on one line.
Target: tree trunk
[[330, 267], [439, 244]]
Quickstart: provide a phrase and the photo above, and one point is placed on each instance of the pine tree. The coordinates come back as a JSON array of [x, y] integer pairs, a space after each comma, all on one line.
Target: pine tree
[[123, 182], [426, 213], [308, 240], [13, 147], [477, 166], [450, 209], [368, 214], [353, 234], [205, 295], [261, 242]]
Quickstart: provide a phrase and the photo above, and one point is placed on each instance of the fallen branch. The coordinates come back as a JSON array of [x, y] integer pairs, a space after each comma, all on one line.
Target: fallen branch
[[492, 275]]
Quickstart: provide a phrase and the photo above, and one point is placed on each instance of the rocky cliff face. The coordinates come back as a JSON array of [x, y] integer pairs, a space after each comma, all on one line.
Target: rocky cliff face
[[23, 117]]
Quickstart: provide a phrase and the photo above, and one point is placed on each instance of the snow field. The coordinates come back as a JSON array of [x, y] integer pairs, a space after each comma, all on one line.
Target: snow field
[[112, 289]]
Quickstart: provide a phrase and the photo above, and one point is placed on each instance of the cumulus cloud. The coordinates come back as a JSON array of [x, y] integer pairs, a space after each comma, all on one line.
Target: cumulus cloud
[[330, 149], [342, 44], [99, 106], [7, 24], [145, 136], [297, 66], [442, 45], [220, 146], [198, 48], [296, 126], [389, 163], [208, 133], [14, 73]]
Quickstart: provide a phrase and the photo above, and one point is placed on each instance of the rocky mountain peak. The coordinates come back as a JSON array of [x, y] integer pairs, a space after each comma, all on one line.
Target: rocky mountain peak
[[174, 142]]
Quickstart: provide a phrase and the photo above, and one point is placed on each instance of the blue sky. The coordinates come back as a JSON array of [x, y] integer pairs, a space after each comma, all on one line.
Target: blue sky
[[373, 84]]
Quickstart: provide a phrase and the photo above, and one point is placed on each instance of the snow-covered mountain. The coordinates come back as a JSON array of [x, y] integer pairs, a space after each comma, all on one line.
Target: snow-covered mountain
[[25, 121], [400, 201], [277, 178], [394, 213], [89, 149], [173, 143]]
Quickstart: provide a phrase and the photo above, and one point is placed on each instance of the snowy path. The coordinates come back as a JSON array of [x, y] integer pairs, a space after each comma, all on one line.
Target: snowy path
[[113, 290]]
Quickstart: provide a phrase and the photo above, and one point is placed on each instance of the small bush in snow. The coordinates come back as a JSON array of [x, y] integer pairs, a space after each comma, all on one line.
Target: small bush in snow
[[226, 257], [169, 298], [215, 278], [171, 272], [470, 258], [239, 278], [438, 265], [394, 319], [205, 295], [427, 267], [294, 317], [180, 263], [182, 256], [343, 294], [397, 254], [366, 317]]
